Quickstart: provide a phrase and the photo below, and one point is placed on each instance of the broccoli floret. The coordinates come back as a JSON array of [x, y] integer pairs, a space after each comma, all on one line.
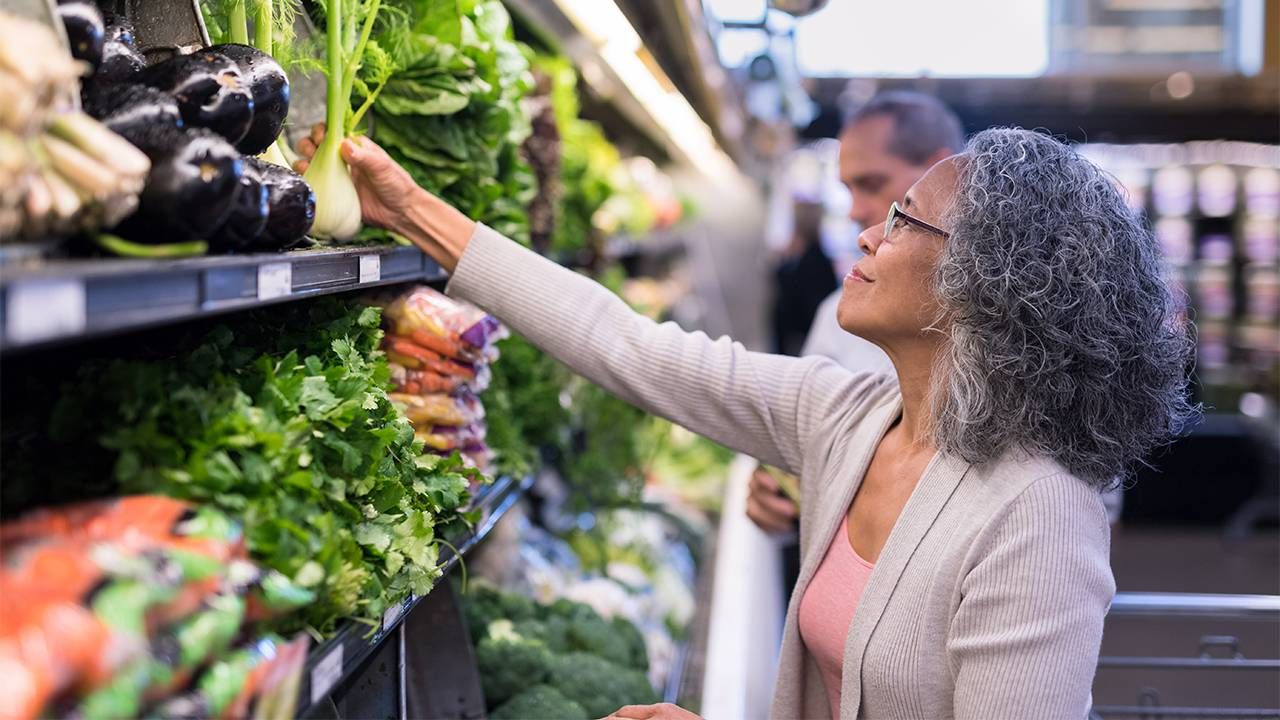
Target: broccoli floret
[[509, 663], [593, 634], [553, 632], [598, 685], [540, 702], [484, 603], [615, 640], [635, 642]]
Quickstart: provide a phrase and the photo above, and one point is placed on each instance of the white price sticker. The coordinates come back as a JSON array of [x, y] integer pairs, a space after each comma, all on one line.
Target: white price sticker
[[370, 268], [44, 309], [393, 614], [326, 674], [275, 280]]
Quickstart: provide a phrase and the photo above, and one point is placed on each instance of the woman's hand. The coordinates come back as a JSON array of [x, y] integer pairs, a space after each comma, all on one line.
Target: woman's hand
[[662, 711], [771, 510], [389, 198]]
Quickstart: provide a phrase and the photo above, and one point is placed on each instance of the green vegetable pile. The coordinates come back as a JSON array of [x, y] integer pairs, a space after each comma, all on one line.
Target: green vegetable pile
[[450, 113], [601, 444], [523, 406], [284, 423], [587, 161], [560, 660]]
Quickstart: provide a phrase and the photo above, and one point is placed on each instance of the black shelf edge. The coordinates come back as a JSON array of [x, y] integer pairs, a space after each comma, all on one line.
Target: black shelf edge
[[337, 659], [44, 303]]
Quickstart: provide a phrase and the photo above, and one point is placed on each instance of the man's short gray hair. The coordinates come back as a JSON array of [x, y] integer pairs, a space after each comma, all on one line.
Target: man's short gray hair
[[1064, 339], [922, 124]]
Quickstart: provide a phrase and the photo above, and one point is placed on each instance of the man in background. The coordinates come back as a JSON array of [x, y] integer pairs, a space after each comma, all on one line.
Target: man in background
[[885, 147]]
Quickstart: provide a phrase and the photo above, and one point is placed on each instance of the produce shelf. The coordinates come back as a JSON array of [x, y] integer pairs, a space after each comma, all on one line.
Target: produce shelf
[[340, 657], [48, 302]]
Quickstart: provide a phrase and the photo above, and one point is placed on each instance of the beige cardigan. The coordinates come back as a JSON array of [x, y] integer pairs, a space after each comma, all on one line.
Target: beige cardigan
[[989, 596]]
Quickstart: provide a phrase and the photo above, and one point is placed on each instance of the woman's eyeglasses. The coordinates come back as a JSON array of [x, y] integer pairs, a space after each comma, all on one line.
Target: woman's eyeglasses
[[896, 212]]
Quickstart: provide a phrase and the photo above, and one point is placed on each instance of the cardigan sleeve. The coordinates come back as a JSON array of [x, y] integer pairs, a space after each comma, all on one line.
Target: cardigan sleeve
[[1025, 639], [769, 406]]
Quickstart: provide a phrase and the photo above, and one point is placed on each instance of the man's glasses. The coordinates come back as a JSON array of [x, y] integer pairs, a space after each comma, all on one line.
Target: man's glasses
[[896, 212]]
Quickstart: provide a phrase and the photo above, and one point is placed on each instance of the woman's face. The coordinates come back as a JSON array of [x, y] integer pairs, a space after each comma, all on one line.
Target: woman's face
[[888, 295]]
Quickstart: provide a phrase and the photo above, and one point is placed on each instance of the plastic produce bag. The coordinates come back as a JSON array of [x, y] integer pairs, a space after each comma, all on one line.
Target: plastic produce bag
[[427, 411], [441, 324], [264, 675]]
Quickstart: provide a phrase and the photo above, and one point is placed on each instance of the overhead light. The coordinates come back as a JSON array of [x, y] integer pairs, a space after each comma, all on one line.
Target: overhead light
[[603, 24]]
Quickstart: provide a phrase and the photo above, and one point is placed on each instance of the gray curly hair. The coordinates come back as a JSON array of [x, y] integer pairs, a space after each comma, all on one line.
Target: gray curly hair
[[1065, 340]]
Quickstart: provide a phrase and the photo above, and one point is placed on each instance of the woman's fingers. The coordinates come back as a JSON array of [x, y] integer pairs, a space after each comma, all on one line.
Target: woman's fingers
[[317, 133], [662, 711], [301, 166], [772, 515], [763, 479]]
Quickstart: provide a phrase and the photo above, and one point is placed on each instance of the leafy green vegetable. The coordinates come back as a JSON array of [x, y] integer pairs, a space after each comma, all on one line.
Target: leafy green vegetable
[[450, 113], [523, 406], [285, 424]]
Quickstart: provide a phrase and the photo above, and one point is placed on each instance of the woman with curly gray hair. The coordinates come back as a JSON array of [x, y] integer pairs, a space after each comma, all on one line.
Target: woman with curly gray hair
[[954, 546]]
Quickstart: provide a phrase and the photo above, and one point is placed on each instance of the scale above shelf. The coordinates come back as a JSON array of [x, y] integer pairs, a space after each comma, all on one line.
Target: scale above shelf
[[51, 302]]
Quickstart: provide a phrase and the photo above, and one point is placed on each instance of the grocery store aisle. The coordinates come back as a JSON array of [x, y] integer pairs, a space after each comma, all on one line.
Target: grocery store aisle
[[729, 261]]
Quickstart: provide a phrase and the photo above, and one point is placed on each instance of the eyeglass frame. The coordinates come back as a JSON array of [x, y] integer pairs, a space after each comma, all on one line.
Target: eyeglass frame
[[896, 211]]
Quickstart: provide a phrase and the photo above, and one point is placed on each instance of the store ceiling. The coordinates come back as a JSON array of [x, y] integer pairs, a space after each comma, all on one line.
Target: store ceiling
[[1094, 109]]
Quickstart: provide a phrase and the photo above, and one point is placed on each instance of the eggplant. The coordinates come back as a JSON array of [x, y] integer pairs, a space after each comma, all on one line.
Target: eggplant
[[121, 63], [248, 215], [85, 29], [270, 88], [210, 89], [291, 202], [126, 108], [193, 184]]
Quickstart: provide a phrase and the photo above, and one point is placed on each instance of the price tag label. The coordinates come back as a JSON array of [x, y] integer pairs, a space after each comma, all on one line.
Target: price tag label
[[393, 614], [326, 674], [370, 268], [44, 309], [275, 280]]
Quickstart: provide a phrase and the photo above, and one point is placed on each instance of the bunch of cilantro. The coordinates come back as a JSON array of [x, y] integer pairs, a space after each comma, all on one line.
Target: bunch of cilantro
[[450, 110], [283, 421]]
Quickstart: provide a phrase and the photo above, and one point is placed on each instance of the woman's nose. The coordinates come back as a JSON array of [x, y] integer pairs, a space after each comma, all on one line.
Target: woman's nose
[[869, 239]]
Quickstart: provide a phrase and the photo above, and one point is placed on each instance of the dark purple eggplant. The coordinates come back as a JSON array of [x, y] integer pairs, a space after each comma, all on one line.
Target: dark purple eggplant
[[211, 91], [193, 184], [292, 205], [248, 216], [270, 87], [85, 30], [127, 108], [121, 63]]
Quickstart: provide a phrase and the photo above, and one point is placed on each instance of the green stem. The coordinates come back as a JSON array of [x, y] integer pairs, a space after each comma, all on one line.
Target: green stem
[[337, 103], [262, 25], [239, 22], [354, 64], [364, 107]]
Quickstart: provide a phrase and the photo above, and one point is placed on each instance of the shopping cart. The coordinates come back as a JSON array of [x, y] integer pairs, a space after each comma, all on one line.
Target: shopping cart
[[1213, 679]]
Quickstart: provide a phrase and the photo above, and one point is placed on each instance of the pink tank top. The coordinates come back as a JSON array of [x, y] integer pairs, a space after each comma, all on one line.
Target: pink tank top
[[827, 606]]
